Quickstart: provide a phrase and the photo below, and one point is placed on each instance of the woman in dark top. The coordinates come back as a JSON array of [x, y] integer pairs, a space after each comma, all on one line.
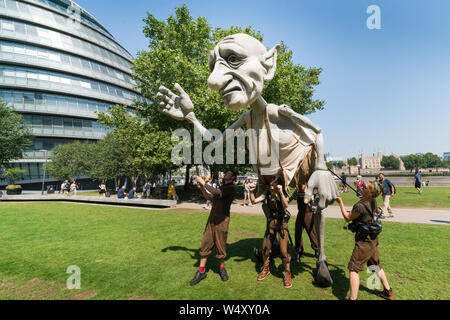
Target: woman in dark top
[[366, 246]]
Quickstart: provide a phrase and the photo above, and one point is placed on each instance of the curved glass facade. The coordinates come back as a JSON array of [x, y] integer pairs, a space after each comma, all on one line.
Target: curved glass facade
[[59, 67]]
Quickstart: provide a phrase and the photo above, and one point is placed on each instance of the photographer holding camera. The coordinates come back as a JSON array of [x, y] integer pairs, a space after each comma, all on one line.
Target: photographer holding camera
[[367, 229]]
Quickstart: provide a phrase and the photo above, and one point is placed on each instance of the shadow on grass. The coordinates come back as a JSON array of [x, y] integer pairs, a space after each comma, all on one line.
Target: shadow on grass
[[242, 250]]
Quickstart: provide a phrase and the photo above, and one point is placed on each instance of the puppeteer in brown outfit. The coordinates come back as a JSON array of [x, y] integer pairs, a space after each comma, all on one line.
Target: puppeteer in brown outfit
[[216, 230]]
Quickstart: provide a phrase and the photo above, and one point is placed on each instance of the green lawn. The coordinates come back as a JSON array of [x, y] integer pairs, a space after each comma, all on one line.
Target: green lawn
[[432, 197], [132, 253]]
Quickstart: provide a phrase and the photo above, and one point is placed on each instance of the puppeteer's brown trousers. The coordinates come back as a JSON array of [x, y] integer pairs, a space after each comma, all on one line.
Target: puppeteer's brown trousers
[[269, 238], [305, 216], [215, 235], [304, 221]]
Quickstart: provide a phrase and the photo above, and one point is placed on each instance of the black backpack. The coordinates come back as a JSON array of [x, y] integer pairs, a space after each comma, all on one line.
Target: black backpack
[[372, 229]]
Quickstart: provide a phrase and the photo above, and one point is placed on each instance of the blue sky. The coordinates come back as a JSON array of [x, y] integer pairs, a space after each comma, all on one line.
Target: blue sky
[[386, 90]]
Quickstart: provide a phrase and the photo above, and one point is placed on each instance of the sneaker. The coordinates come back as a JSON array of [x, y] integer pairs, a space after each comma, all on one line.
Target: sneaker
[[224, 275], [199, 276], [287, 280], [265, 271], [386, 294]]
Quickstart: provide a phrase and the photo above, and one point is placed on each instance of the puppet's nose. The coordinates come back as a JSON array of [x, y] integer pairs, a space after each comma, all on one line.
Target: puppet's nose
[[218, 79]]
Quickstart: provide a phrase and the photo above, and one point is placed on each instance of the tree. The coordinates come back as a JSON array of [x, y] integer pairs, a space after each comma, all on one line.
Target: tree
[[413, 162], [432, 160], [70, 161], [446, 163], [146, 149], [15, 137], [107, 161], [178, 53], [340, 164], [391, 162], [352, 161], [13, 174]]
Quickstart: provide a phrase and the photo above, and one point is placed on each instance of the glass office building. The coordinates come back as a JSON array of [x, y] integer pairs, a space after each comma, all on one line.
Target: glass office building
[[58, 67]]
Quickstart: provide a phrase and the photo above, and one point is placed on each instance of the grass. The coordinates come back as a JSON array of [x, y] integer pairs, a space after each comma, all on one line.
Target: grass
[[134, 253], [432, 197]]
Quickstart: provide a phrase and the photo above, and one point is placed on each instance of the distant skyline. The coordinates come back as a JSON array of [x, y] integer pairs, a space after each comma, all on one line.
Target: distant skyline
[[385, 90]]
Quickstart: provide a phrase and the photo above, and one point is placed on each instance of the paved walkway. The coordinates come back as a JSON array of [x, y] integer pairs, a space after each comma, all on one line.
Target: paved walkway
[[151, 203], [404, 215]]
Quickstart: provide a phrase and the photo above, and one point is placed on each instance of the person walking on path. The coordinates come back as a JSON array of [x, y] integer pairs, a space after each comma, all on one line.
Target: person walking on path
[[157, 188], [418, 182], [366, 244], [102, 189], [147, 194], [66, 187], [171, 192], [246, 195], [344, 182], [74, 187], [388, 193], [216, 231], [359, 183]]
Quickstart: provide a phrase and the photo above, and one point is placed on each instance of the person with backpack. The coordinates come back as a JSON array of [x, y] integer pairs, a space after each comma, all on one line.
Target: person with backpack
[[418, 182], [367, 230], [66, 187], [388, 190]]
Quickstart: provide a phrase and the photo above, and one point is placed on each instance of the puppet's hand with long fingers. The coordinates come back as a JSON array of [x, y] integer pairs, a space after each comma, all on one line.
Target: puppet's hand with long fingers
[[323, 182], [179, 107]]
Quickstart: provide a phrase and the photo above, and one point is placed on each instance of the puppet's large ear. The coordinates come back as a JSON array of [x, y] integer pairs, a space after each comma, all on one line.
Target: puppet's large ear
[[269, 62]]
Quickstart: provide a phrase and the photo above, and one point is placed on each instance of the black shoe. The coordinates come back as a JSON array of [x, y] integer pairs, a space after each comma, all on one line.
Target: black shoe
[[224, 274], [199, 276]]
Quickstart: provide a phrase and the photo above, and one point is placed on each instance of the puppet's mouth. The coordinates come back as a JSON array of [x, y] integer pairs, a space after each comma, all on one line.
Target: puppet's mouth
[[231, 90]]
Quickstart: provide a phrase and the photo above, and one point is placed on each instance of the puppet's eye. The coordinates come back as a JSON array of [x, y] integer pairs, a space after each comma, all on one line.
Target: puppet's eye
[[232, 59]]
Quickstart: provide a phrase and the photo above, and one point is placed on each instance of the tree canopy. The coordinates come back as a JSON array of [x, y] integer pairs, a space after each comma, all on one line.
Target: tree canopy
[[178, 52], [426, 161], [390, 162], [352, 161], [145, 148], [15, 137], [70, 161]]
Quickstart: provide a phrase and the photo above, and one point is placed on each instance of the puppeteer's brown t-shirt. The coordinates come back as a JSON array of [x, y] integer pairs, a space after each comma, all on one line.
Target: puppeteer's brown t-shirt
[[221, 204]]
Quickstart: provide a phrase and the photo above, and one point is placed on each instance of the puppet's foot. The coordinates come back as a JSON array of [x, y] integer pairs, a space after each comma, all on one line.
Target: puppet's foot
[[322, 277]]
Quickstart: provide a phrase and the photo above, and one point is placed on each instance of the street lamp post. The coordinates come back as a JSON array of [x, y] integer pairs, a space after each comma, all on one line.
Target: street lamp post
[[45, 169]]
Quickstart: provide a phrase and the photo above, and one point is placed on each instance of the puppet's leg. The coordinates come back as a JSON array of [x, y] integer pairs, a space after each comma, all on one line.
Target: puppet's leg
[[322, 276]]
